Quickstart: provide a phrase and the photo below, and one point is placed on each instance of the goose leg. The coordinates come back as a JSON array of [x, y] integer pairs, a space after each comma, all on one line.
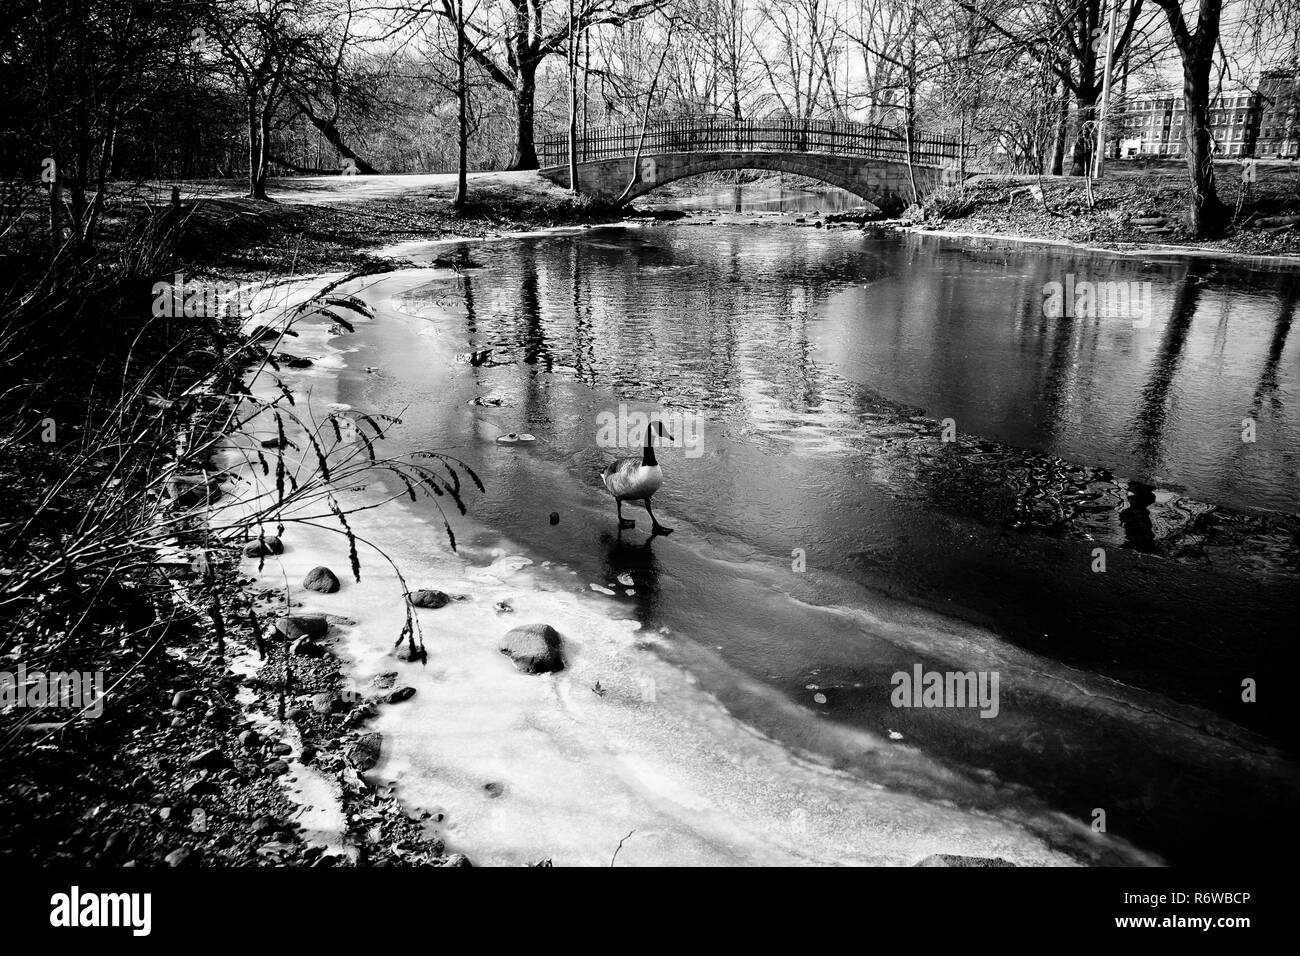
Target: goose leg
[[655, 526], [623, 522]]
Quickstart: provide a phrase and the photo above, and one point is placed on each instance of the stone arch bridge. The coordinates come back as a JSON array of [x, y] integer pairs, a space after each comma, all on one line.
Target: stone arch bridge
[[868, 161]]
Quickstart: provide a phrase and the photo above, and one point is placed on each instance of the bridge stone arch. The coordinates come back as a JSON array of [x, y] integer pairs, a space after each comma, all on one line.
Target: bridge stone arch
[[884, 183]]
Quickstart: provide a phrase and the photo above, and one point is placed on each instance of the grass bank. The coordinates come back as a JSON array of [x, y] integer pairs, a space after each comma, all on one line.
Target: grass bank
[[116, 564], [1137, 206]]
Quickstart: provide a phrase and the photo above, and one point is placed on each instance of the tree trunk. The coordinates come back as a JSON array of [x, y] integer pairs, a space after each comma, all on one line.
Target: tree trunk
[[573, 104], [462, 120], [256, 153], [1085, 108], [1062, 130], [525, 93], [1205, 212], [329, 129]]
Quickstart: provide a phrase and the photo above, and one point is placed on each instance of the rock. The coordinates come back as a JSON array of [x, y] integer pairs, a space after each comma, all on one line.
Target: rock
[[199, 788], [118, 842], [493, 789], [250, 739], [428, 598], [949, 859], [401, 694], [178, 857], [364, 754], [535, 648], [210, 759], [264, 548], [297, 361], [296, 713], [274, 443], [308, 754], [321, 579], [182, 698], [325, 703], [282, 749], [306, 647], [555, 517], [457, 859], [294, 626], [503, 607], [264, 825], [277, 767]]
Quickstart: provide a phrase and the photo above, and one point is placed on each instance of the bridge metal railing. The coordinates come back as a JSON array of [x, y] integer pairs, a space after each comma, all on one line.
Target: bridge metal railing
[[836, 137]]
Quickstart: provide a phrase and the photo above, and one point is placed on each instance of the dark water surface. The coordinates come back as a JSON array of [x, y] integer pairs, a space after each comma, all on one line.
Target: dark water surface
[[823, 364]]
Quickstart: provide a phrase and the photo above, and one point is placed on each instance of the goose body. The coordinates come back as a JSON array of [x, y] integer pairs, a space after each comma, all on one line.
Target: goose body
[[630, 478], [637, 479]]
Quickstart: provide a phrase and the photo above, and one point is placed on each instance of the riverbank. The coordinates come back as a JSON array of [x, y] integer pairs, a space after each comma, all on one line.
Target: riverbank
[[1131, 213], [196, 671]]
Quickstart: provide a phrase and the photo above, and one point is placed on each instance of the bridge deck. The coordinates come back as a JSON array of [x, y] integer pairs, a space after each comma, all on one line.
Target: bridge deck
[[831, 137]]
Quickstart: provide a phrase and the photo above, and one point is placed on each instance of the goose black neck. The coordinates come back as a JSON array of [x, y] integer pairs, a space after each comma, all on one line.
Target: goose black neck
[[648, 459]]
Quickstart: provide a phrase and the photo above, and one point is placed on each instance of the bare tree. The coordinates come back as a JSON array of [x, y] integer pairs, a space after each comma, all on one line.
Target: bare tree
[[1197, 48]]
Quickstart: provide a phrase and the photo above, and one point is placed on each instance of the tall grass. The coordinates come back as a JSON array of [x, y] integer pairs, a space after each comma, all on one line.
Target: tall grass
[[134, 469]]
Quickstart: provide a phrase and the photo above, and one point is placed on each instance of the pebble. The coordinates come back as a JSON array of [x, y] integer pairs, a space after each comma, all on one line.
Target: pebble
[[178, 857], [364, 754], [427, 597], [321, 579], [210, 758], [264, 548], [401, 694]]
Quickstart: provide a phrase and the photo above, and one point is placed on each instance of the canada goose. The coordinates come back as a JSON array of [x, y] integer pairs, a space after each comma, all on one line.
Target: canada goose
[[633, 478]]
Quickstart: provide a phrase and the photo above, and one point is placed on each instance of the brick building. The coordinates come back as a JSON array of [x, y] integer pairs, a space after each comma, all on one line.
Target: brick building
[[1153, 125], [1279, 124]]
